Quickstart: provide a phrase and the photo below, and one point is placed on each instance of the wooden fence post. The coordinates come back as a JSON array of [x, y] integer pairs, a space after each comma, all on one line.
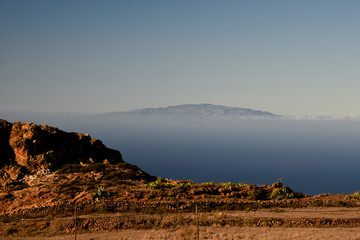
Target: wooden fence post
[[197, 223], [75, 223]]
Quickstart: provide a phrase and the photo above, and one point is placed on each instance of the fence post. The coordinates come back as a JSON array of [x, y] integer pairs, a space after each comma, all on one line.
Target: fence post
[[197, 223], [75, 223]]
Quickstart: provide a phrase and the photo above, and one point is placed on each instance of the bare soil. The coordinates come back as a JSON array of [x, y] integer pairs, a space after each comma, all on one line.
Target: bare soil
[[224, 233]]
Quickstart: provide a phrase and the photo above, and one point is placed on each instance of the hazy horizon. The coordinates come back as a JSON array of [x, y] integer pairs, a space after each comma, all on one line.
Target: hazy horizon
[[17, 115]]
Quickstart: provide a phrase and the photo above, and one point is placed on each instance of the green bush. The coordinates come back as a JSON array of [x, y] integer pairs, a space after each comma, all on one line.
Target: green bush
[[242, 185], [183, 185], [100, 193], [155, 184], [229, 185], [256, 194], [233, 186], [161, 183], [209, 184], [357, 195], [282, 193]]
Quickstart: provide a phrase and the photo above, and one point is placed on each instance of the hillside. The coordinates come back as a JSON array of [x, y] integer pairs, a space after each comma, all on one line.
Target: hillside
[[44, 166]]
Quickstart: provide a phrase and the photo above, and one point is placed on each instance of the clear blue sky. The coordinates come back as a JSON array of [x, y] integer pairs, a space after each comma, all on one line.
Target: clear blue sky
[[287, 57]]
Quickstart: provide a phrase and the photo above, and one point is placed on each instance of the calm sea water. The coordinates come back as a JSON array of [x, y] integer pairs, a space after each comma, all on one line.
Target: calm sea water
[[310, 156]]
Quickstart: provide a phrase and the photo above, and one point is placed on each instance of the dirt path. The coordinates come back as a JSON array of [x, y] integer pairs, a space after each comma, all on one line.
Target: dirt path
[[217, 234]]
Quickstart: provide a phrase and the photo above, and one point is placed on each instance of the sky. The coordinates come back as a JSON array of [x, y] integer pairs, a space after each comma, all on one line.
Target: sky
[[287, 57]]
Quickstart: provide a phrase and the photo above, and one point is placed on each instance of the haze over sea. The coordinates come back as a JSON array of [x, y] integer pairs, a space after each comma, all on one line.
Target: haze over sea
[[311, 156]]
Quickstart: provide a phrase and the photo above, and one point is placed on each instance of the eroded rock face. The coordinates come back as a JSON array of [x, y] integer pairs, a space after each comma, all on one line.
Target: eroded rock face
[[29, 148]]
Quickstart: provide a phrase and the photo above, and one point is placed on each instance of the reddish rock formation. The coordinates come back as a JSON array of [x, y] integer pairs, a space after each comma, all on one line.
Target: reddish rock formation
[[30, 148]]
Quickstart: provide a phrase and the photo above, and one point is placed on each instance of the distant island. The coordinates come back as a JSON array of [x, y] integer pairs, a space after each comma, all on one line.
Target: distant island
[[204, 110]]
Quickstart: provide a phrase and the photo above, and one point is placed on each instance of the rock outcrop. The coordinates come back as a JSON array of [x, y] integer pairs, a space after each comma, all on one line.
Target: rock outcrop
[[30, 149]]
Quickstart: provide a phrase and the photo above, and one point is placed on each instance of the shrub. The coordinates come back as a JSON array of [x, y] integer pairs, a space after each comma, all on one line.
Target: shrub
[[242, 185], [155, 184], [209, 184], [183, 185], [357, 195], [256, 194], [282, 193], [229, 185], [163, 183], [277, 185], [100, 193], [232, 186]]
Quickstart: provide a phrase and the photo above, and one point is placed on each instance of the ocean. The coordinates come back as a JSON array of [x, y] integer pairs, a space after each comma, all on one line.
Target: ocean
[[309, 156]]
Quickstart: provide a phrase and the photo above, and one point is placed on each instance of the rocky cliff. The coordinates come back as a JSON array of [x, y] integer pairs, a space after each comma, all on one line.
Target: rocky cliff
[[27, 148]]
